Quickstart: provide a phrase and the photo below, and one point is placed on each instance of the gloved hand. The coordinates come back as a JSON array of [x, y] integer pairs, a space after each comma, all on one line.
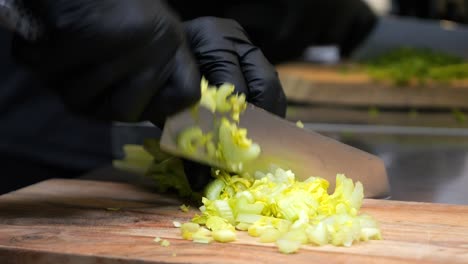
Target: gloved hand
[[225, 54], [284, 28], [113, 59]]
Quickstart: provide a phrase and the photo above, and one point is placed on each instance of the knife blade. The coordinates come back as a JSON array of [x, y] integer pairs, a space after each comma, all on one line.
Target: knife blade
[[283, 144], [287, 146]]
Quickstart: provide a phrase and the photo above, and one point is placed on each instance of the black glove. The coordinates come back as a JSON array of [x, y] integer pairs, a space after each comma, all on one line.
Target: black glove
[[225, 54], [284, 28], [113, 59]]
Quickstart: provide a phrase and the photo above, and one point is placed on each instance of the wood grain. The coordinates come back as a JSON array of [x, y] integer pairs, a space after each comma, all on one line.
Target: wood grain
[[70, 221]]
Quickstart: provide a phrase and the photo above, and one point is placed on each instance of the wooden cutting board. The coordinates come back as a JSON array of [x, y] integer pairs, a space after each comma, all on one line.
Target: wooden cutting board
[[330, 85], [77, 221]]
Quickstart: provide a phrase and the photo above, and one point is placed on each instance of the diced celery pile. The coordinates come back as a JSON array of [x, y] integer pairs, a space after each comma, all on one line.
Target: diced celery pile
[[227, 143], [272, 206], [275, 207]]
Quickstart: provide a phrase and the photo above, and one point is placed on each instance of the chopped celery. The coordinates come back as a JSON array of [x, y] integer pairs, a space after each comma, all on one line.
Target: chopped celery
[[190, 139], [165, 243], [136, 159], [188, 229], [222, 104], [317, 234], [235, 146], [203, 240], [226, 143], [184, 208], [271, 205], [296, 235], [288, 246], [243, 206], [238, 106], [208, 99], [274, 206], [202, 235], [370, 233], [270, 235], [224, 210], [214, 189], [216, 223], [224, 235], [248, 218], [243, 226], [258, 230]]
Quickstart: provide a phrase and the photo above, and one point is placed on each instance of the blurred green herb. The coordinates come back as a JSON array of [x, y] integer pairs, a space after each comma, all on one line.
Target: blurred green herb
[[405, 65], [413, 113], [373, 112], [344, 69], [459, 116]]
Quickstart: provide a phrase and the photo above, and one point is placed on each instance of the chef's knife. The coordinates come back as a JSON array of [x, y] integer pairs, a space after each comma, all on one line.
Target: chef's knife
[[285, 145]]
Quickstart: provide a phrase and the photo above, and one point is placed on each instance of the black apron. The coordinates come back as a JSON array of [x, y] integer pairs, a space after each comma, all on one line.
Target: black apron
[[39, 139]]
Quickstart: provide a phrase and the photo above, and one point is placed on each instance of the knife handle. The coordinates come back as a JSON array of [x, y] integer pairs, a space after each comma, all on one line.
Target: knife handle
[[14, 16]]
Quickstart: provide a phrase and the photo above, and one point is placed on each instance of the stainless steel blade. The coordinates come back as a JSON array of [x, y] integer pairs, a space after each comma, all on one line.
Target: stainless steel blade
[[283, 144]]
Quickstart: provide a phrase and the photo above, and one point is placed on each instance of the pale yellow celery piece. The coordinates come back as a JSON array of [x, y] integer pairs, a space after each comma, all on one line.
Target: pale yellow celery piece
[[224, 210], [184, 208], [136, 159], [165, 243], [190, 139], [238, 104], [234, 144], [257, 230], [226, 235], [203, 235], [317, 234], [296, 235], [188, 229], [288, 246], [211, 150], [222, 103], [214, 189], [248, 218], [243, 206], [270, 235], [215, 223], [299, 124], [243, 226], [208, 96], [369, 228]]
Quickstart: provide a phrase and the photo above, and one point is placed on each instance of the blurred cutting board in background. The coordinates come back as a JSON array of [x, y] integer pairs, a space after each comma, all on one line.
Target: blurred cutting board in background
[[78, 221], [330, 93]]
